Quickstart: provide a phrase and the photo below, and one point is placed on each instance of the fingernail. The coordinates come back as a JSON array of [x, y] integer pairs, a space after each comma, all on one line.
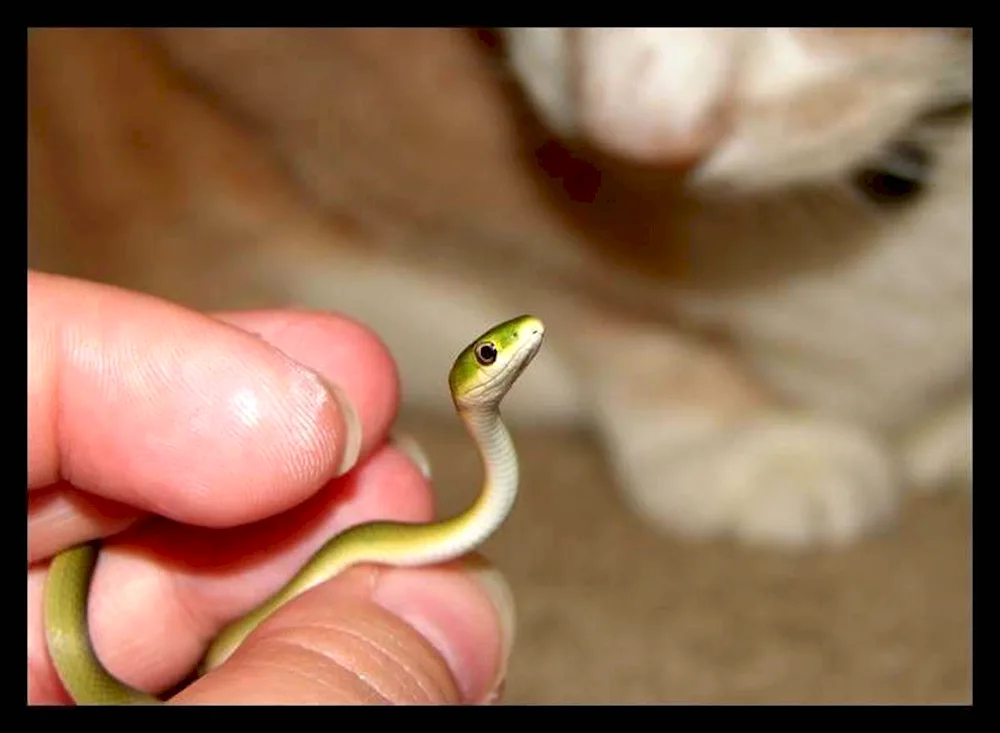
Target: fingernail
[[439, 605], [352, 426], [497, 695], [411, 448]]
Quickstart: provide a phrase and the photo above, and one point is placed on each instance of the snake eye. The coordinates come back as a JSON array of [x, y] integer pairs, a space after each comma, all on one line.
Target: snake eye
[[486, 353]]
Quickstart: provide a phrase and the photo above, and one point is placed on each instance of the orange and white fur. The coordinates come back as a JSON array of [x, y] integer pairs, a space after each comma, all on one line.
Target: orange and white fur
[[752, 248]]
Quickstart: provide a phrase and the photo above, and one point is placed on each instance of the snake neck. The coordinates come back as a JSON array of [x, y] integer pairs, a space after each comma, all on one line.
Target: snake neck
[[500, 479], [396, 543]]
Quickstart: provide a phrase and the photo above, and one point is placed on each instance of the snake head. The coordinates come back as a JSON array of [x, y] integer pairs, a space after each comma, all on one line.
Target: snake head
[[486, 368]]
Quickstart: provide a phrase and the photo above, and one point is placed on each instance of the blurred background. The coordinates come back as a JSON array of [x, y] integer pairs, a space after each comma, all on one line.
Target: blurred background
[[609, 610]]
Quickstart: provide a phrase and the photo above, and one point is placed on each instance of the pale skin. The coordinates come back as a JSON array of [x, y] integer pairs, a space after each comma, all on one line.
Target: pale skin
[[162, 430]]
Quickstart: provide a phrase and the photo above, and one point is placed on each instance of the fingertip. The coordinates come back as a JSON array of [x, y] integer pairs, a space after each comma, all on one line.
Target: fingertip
[[374, 635], [346, 353], [466, 611], [332, 645], [147, 403]]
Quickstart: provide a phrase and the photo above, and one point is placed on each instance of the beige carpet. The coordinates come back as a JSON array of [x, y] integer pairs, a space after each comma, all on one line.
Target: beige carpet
[[609, 612]]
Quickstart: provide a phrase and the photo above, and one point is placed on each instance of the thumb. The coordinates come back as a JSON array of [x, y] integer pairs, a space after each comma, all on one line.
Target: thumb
[[376, 635]]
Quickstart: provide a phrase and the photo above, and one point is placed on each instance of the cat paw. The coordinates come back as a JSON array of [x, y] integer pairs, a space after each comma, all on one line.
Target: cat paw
[[778, 481]]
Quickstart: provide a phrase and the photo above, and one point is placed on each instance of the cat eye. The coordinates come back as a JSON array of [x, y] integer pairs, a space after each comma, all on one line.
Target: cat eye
[[486, 353], [897, 176]]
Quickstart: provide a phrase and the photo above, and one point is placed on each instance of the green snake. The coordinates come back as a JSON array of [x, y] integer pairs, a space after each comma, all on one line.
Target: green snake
[[479, 379]]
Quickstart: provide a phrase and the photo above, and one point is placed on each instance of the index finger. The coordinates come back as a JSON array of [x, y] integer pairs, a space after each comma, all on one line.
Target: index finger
[[146, 403]]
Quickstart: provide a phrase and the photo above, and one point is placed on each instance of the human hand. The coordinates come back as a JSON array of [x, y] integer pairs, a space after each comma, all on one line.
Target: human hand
[[167, 433]]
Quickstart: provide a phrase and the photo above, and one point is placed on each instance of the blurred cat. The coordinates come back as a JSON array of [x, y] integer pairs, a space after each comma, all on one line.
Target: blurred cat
[[752, 248]]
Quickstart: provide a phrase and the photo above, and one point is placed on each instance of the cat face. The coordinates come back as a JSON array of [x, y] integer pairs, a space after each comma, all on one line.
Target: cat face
[[744, 108]]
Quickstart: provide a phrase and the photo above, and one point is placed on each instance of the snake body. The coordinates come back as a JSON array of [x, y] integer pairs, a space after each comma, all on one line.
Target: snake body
[[479, 379]]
